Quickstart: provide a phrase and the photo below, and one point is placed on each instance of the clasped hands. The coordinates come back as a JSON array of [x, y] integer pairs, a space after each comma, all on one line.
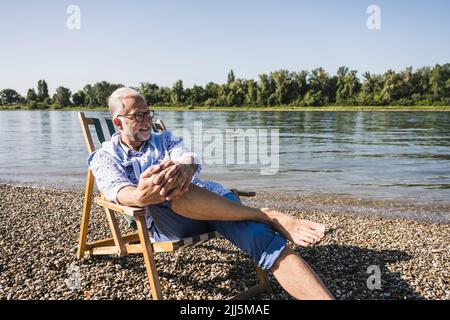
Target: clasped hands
[[165, 181]]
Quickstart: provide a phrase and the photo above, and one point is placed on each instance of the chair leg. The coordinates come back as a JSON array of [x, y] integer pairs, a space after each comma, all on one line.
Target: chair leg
[[149, 259], [262, 278], [87, 205], [114, 226], [262, 286]]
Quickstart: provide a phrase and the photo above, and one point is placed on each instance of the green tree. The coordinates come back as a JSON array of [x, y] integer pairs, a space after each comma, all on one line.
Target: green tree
[[390, 91], [440, 80], [230, 77], [265, 90], [62, 97], [371, 87], [10, 96], [251, 92], [79, 99], [164, 95], [178, 94], [283, 87], [422, 81], [212, 92], [347, 86], [103, 90], [31, 95], [300, 86], [314, 99], [42, 93], [222, 98], [322, 88], [90, 96], [197, 95], [235, 93], [150, 92]]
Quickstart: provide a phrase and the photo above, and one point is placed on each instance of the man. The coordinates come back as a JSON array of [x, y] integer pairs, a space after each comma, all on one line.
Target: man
[[155, 171]]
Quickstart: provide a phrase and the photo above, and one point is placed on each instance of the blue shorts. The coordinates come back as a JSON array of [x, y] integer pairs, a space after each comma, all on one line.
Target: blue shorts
[[258, 240]]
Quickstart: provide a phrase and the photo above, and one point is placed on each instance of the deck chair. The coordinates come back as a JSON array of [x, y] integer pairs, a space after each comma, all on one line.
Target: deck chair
[[138, 242]]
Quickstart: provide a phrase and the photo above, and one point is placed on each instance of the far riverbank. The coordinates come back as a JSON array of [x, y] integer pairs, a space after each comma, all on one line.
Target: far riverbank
[[252, 108]]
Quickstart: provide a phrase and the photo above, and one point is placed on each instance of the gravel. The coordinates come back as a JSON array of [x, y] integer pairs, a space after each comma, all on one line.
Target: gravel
[[39, 235]]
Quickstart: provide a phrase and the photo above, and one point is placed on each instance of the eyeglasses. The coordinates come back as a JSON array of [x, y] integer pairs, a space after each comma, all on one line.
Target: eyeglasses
[[139, 116]]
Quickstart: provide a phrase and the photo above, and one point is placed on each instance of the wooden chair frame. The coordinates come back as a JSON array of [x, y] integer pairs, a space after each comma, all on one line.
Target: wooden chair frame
[[138, 242]]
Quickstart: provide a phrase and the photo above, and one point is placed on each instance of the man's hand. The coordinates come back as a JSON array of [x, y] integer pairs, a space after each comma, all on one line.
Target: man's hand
[[147, 191], [174, 179]]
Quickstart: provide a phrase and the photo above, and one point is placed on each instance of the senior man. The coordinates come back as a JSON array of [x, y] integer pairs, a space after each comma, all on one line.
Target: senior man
[[157, 172]]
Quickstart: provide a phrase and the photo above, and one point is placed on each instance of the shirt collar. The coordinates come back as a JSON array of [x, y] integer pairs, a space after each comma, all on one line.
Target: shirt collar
[[130, 151]]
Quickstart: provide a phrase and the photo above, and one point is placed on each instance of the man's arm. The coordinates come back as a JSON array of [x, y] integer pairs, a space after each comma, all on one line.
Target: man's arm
[[114, 184], [147, 192], [176, 178], [109, 177], [181, 167]]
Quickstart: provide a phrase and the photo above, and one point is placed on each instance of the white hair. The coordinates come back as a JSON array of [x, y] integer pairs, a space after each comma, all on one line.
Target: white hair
[[115, 103]]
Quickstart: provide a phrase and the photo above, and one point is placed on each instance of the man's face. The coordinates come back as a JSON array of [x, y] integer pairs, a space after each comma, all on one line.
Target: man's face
[[133, 130]]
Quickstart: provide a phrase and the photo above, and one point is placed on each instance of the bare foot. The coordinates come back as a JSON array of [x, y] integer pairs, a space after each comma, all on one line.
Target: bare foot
[[302, 232]]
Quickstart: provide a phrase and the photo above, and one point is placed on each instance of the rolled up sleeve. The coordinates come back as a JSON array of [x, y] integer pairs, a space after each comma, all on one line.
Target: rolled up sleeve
[[177, 150], [110, 178]]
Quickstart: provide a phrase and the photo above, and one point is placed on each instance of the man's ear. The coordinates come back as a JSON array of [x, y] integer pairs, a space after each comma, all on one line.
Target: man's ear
[[117, 122]]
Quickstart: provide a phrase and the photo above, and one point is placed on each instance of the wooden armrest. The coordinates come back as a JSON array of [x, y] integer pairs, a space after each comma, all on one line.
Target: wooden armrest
[[241, 193], [129, 211]]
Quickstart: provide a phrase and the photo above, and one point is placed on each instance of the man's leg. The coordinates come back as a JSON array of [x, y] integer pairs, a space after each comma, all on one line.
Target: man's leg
[[168, 225], [201, 204], [269, 250], [297, 277]]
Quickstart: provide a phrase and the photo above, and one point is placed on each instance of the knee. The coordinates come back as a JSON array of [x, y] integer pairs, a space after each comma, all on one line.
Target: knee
[[265, 244], [257, 230], [258, 240], [232, 197]]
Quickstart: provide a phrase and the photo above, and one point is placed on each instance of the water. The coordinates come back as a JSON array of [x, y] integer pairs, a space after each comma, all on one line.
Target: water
[[374, 155]]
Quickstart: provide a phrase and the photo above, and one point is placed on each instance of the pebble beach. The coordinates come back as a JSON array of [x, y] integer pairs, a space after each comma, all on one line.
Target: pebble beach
[[39, 234]]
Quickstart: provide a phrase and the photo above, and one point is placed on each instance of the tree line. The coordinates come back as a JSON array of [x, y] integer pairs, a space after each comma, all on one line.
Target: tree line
[[423, 86]]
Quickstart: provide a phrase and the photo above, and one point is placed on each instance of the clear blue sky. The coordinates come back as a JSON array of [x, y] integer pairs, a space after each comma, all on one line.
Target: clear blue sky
[[199, 40]]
